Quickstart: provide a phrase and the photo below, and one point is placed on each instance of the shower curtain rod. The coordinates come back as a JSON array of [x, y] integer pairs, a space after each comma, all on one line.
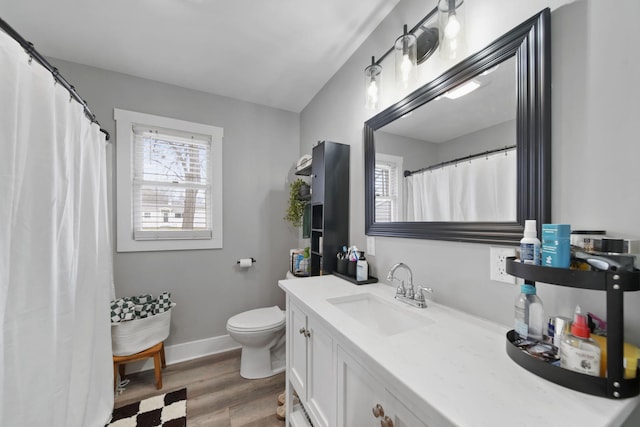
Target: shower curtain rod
[[469, 157], [33, 53]]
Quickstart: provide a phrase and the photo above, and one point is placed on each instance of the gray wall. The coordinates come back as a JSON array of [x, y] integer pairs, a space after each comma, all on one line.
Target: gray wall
[[260, 146], [473, 143], [595, 148], [415, 154]]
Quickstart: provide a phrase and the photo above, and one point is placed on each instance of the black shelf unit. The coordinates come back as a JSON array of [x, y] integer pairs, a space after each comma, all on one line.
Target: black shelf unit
[[329, 205], [614, 284]]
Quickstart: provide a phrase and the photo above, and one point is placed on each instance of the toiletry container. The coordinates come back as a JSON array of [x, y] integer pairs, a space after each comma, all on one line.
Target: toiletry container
[[362, 268], [556, 248], [630, 354], [578, 352], [529, 244], [585, 239], [529, 313]]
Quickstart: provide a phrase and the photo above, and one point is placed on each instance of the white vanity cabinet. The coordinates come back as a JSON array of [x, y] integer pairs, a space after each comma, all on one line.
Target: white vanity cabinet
[[449, 370], [364, 401], [311, 365]]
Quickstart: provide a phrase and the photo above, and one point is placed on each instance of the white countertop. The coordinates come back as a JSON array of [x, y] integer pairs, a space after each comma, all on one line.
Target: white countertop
[[457, 364]]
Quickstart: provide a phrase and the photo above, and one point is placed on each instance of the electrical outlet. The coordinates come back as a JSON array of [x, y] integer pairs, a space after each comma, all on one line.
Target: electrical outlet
[[371, 245], [498, 264]]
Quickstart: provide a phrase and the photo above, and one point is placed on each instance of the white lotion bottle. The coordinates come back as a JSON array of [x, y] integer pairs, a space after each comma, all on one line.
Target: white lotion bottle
[[362, 268], [530, 244]]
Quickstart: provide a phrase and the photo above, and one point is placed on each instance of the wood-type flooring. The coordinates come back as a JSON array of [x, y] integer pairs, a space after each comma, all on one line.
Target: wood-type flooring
[[217, 396]]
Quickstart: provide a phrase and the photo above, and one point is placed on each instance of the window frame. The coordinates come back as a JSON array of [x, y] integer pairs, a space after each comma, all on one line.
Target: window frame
[[397, 200], [125, 242]]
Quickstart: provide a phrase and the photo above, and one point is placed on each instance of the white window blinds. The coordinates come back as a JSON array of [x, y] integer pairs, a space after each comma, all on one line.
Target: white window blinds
[[171, 185]]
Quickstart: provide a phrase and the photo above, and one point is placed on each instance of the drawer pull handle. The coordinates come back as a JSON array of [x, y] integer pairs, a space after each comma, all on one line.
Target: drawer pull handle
[[305, 332], [386, 422], [378, 411]]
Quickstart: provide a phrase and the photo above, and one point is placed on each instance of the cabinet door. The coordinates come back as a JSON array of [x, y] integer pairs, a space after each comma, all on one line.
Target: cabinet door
[[297, 350], [359, 393], [317, 174], [321, 384]]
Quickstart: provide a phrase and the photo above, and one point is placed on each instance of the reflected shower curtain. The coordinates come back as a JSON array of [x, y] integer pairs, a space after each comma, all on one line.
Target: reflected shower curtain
[[55, 255], [483, 189]]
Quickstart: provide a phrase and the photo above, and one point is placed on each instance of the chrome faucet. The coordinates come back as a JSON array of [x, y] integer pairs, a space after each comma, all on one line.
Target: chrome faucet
[[408, 294], [402, 289]]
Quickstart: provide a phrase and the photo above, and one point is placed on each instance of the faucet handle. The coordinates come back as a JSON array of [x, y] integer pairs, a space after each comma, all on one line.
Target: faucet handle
[[400, 289], [420, 293]]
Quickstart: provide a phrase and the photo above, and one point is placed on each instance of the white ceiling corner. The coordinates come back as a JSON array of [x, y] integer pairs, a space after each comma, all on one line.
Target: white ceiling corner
[[277, 53]]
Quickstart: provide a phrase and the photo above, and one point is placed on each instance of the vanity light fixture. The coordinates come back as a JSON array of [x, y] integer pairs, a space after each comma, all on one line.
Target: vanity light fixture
[[373, 85], [463, 89], [413, 47], [406, 60], [451, 25]]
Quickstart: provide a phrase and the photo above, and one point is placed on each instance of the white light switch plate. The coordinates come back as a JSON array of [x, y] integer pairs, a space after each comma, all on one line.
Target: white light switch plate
[[498, 264]]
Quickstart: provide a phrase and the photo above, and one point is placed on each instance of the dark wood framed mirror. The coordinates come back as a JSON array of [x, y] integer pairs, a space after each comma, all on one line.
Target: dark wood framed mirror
[[527, 50]]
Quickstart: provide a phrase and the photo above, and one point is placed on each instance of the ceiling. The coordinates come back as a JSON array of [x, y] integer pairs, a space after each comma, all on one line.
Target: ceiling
[[278, 53], [442, 119]]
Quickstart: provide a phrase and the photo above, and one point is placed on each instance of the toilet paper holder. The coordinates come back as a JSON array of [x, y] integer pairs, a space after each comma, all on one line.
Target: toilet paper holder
[[253, 261]]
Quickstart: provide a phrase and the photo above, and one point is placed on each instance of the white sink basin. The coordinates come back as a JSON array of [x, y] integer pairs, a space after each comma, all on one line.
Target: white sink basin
[[383, 317]]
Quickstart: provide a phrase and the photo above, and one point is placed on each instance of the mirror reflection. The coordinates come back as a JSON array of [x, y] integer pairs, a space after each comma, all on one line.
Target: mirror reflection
[[454, 158]]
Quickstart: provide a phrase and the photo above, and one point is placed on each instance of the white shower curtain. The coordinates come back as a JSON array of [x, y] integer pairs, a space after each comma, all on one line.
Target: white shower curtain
[[483, 189], [55, 255]]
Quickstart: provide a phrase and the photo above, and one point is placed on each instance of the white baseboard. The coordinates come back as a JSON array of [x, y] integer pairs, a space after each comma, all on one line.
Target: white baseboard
[[187, 351]]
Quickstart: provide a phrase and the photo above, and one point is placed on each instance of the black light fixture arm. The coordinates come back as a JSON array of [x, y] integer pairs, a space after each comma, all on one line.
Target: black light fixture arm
[[34, 54], [412, 31]]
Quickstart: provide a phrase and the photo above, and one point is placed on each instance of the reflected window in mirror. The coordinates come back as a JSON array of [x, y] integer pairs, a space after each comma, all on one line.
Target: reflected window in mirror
[[388, 188]]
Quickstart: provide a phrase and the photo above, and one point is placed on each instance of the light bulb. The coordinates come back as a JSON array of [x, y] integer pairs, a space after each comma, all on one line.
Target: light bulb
[[372, 93], [406, 67], [452, 29]]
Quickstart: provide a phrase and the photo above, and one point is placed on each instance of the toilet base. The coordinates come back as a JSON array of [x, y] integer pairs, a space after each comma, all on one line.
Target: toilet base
[[258, 363]]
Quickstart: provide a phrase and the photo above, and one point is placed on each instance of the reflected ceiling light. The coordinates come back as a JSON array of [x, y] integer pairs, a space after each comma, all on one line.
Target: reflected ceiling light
[[373, 85], [462, 90], [490, 70], [406, 60], [451, 25]]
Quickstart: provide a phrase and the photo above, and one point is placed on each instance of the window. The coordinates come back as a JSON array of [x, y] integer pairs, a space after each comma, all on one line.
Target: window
[[387, 187], [169, 182]]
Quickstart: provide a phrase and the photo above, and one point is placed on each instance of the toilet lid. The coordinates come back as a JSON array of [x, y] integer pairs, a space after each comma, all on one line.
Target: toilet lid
[[257, 319]]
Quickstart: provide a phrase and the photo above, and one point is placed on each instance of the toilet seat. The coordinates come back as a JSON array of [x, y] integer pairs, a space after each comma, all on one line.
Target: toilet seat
[[259, 319]]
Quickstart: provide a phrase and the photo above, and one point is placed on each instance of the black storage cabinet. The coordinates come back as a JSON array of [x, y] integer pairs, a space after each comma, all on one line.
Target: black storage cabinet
[[329, 205]]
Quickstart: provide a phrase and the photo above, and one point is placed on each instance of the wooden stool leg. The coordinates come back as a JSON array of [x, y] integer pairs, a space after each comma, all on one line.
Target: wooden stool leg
[[115, 376], [157, 365], [164, 361], [121, 369]]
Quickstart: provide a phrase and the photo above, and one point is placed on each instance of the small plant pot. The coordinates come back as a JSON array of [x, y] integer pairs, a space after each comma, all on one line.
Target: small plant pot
[[304, 192]]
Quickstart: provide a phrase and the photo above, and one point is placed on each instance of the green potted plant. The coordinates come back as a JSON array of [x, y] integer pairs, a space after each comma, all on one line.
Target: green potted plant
[[298, 199]]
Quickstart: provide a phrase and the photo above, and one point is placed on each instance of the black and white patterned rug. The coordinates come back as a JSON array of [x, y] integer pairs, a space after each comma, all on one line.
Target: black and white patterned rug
[[166, 410]]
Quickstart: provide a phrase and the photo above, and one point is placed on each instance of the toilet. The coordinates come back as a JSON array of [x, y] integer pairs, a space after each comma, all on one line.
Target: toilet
[[262, 334]]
